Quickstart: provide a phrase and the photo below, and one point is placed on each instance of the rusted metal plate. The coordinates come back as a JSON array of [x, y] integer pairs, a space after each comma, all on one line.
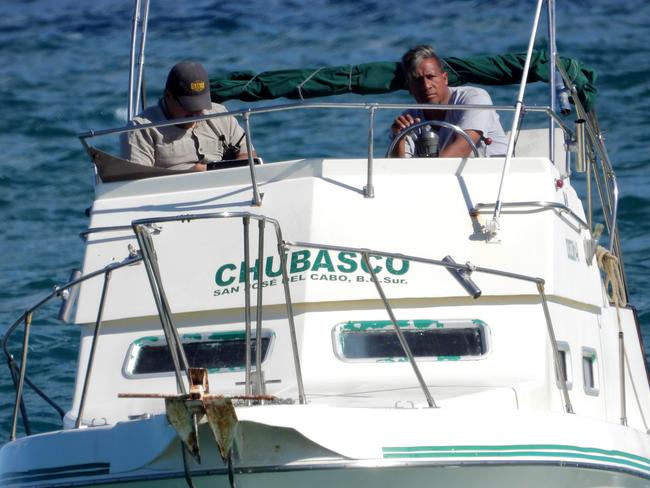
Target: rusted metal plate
[[182, 420], [223, 422], [198, 382]]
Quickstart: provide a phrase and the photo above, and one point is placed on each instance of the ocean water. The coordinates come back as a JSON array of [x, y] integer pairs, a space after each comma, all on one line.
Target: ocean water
[[64, 70]]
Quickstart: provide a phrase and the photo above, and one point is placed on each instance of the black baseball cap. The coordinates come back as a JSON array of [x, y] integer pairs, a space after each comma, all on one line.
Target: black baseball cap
[[188, 82]]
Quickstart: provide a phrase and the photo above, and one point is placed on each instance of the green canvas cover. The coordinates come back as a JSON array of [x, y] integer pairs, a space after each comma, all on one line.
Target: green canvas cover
[[385, 77]]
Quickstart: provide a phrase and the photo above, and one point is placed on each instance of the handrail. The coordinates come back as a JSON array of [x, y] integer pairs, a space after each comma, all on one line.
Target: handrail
[[368, 191], [139, 227], [552, 51], [142, 228], [492, 225], [164, 310], [26, 317], [541, 205], [95, 230], [134, 35], [312, 105], [467, 268], [608, 198]]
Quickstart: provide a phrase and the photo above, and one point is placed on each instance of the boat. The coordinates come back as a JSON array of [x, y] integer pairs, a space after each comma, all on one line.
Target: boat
[[357, 321]]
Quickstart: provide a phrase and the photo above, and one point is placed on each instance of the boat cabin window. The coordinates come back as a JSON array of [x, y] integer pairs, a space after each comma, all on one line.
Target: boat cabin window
[[590, 371], [438, 340], [565, 362], [217, 352]]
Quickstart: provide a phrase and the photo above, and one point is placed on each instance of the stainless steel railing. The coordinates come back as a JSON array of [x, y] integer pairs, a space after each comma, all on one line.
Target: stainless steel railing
[[19, 374], [148, 253], [145, 229], [143, 234], [604, 175], [371, 108]]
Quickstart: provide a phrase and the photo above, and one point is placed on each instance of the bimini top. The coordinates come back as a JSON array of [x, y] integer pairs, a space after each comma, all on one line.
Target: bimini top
[[385, 77]]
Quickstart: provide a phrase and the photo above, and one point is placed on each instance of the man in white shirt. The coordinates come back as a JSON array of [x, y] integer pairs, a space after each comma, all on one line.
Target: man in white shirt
[[428, 83]]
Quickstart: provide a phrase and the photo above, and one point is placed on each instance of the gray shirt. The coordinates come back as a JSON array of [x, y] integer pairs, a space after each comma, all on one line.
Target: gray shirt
[[484, 121], [173, 147]]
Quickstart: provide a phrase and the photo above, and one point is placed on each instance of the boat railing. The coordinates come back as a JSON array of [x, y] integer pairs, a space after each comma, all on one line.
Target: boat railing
[[145, 231], [598, 163], [19, 373], [370, 108]]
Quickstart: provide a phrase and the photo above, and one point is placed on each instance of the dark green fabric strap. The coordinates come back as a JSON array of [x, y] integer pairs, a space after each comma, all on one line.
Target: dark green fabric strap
[[385, 77]]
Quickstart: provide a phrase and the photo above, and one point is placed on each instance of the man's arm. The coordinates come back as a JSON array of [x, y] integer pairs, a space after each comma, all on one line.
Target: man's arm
[[459, 147], [137, 147], [400, 123]]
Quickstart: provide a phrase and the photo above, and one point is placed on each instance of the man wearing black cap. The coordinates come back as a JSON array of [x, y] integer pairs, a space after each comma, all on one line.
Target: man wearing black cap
[[183, 146]]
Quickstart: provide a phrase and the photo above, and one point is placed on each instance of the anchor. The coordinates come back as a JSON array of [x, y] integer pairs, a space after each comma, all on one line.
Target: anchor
[[185, 411]]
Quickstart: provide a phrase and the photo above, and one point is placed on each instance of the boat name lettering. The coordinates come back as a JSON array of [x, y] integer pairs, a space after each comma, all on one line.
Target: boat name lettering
[[307, 260]]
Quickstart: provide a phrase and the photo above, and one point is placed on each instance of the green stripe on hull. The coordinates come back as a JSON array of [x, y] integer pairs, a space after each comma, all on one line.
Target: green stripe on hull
[[520, 450]]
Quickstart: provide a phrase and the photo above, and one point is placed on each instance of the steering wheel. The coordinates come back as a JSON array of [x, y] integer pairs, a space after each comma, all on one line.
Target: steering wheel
[[439, 123]]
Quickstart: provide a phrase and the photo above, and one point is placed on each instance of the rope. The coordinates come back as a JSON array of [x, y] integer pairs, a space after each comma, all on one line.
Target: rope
[[245, 87], [608, 263], [350, 79], [305, 81]]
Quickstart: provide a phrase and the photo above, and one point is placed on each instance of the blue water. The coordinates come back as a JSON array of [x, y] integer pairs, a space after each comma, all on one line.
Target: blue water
[[64, 70]]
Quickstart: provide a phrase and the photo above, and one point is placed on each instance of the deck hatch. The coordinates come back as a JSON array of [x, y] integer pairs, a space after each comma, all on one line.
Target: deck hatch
[[217, 352], [438, 340]]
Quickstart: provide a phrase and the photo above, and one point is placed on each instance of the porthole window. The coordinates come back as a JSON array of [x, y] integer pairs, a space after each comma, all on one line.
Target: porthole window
[[438, 340], [590, 371], [564, 352], [217, 352]]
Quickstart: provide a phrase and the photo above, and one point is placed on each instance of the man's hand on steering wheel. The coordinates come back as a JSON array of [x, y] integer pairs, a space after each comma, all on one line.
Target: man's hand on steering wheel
[[403, 121], [459, 148]]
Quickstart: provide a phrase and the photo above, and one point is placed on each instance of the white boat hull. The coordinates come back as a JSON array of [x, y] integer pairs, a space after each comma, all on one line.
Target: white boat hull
[[493, 474]]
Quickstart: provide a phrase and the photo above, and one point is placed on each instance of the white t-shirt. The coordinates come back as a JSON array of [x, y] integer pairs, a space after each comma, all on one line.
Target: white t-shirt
[[481, 120]]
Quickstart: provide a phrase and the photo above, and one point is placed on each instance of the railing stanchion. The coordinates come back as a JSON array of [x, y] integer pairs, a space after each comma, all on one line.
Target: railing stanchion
[[164, 313], [289, 304], [621, 366], [139, 87], [257, 198], [560, 373], [134, 35], [21, 376], [247, 302], [93, 348], [552, 51], [261, 387], [492, 226], [400, 334], [369, 189]]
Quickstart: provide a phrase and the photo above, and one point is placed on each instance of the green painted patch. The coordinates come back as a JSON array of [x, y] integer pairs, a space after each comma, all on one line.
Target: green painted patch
[[144, 340], [196, 337], [228, 335], [384, 324]]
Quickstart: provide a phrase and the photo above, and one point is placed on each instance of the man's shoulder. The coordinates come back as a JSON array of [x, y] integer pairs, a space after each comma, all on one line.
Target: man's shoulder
[[469, 94], [149, 115], [217, 108]]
